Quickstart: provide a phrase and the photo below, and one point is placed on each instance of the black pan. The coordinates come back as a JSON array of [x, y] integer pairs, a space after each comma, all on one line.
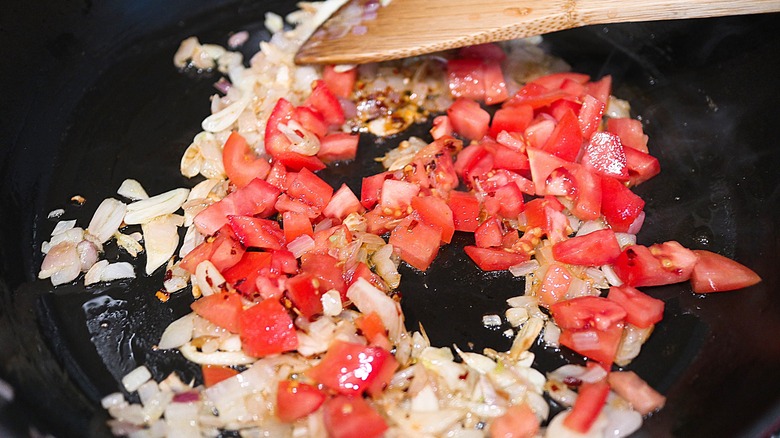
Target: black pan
[[90, 97]]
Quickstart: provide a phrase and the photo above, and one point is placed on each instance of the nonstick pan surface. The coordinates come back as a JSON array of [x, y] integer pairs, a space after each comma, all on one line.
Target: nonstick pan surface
[[91, 97]]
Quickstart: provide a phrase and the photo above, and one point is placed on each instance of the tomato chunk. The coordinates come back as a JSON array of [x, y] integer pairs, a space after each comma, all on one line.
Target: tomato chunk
[[435, 212], [213, 374], [643, 398], [255, 199], [591, 398], [657, 265], [351, 368], [555, 284], [241, 164], [599, 345], [465, 211], [495, 259], [593, 249], [266, 328], [468, 118], [417, 242], [519, 421], [256, 232], [587, 312], [340, 83], [604, 155], [223, 309], [642, 310], [620, 206], [352, 417], [715, 273], [296, 400]]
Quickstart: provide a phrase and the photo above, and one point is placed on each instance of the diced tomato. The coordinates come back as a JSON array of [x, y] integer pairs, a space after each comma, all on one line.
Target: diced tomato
[[371, 188], [641, 166], [620, 206], [417, 242], [363, 271], [566, 139], [283, 262], [342, 203], [630, 132], [338, 146], [256, 232], [535, 95], [327, 270], [377, 222], [506, 158], [476, 162], [590, 115], [468, 118], [604, 155], [642, 310], [587, 312], [465, 78], [310, 189], [587, 202], [371, 326], [323, 100], [304, 292], [554, 81], [223, 251], [573, 88], [222, 308], [593, 249], [519, 421], [600, 89], [715, 273], [255, 199], [295, 161], [266, 328], [465, 211], [488, 233], [275, 141], [632, 388], [555, 284], [279, 177], [295, 225], [340, 83], [539, 131], [487, 52], [494, 259], [591, 399], [658, 265], [240, 162], [511, 119], [243, 275], [512, 140], [510, 198], [296, 400], [397, 195], [435, 212], [351, 368], [311, 120], [495, 84], [441, 127], [352, 417], [213, 374], [599, 345], [542, 165]]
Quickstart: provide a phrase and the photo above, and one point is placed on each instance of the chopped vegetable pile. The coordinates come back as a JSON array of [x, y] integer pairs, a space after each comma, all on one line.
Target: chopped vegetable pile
[[297, 325]]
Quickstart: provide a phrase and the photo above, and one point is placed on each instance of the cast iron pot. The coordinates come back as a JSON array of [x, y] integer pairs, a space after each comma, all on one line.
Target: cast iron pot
[[91, 97]]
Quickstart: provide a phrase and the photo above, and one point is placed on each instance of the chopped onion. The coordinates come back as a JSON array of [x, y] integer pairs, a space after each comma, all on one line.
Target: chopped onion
[[611, 276], [225, 358], [132, 189], [621, 422], [63, 226], [161, 237], [516, 316], [224, 119], [637, 224], [177, 333], [491, 321], [208, 279], [61, 264], [301, 245], [551, 334], [524, 268], [134, 379], [107, 219], [94, 273], [425, 400], [591, 226], [113, 399], [585, 340], [55, 213], [625, 239], [88, 254], [368, 298], [331, 303], [593, 374], [143, 211]]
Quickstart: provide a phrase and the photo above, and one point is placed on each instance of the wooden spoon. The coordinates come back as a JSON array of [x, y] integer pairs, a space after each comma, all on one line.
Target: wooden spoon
[[413, 27]]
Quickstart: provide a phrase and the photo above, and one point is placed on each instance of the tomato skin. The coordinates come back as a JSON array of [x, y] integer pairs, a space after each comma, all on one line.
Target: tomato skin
[[536, 96], [593, 249], [417, 242], [519, 421], [554, 81], [223, 309], [468, 118], [296, 400], [591, 398], [241, 164], [643, 398], [266, 328], [494, 259], [351, 368], [213, 374], [642, 310], [716, 273], [352, 417]]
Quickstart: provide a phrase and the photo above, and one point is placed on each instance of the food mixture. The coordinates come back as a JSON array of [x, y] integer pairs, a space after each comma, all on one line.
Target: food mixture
[[296, 321]]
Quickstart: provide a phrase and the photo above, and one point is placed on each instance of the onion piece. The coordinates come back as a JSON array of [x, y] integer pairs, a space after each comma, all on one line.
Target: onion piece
[[107, 219], [161, 237], [132, 189], [177, 333], [143, 211], [134, 379], [225, 358], [368, 298], [301, 245], [61, 264]]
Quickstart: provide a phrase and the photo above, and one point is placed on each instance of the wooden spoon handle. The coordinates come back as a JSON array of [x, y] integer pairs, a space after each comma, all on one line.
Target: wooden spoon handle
[[412, 27]]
